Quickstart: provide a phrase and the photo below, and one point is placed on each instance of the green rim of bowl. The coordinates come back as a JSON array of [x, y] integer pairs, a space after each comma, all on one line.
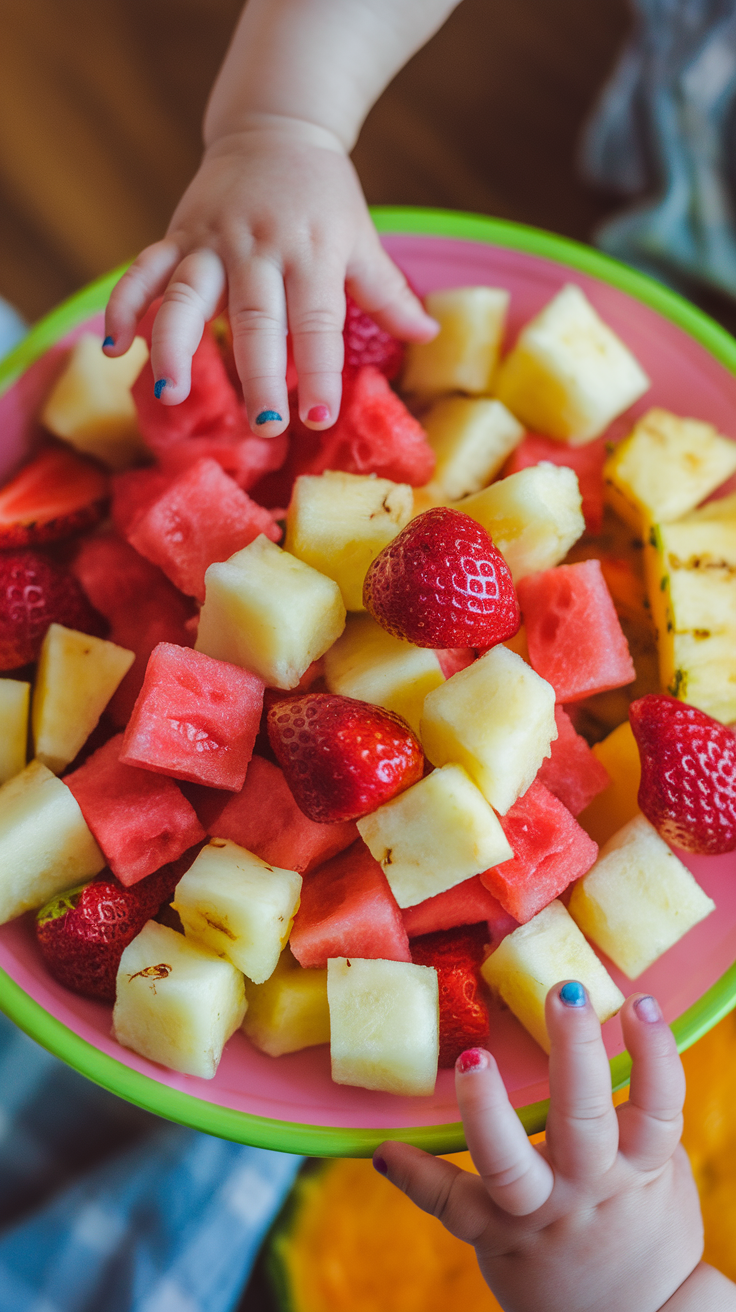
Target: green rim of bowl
[[289, 1136]]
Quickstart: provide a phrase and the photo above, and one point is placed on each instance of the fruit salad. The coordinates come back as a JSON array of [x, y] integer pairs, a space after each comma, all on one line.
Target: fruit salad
[[353, 737]]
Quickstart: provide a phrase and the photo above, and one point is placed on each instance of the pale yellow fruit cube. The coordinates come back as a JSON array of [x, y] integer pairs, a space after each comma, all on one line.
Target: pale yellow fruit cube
[[533, 517], [370, 664], [269, 612], [638, 899], [15, 698], [289, 1011], [548, 949], [497, 719], [464, 354], [77, 675], [619, 802], [176, 1002], [384, 1025], [239, 906], [569, 375], [472, 437], [90, 406], [338, 523], [434, 835], [45, 845]]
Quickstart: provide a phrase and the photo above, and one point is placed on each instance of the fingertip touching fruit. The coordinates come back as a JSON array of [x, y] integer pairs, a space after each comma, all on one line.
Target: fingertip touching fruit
[[366, 343]]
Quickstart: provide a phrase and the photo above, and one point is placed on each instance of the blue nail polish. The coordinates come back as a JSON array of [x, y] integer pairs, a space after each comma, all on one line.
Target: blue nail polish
[[573, 994], [268, 417], [158, 387], [109, 341]]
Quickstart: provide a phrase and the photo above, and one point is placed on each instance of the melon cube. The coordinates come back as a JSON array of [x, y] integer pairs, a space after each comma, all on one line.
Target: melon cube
[[289, 1011], [384, 1025], [270, 613], [45, 844], [471, 437], [347, 907], [619, 802], [195, 718], [545, 951], [464, 354], [76, 677], [573, 772], [434, 835], [533, 517], [587, 462], [638, 900], [370, 664], [465, 904], [496, 718], [176, 1003], [338, 523], [239, 906], [90, 406], [569, 375], [15, 699]]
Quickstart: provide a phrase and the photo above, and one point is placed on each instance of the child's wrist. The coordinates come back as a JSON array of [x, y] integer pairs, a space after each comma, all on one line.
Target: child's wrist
[[240, 131], [704, 1288]]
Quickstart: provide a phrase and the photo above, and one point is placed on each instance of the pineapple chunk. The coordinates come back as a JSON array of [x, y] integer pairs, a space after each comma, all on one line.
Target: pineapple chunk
[[269, 612], [569, 375], [471, 436], [527, 963], [384, 1025], [45, 845], [497, 719], [534, 517], [464, 354], [77, 676], [91, 407], [14, 702], [175, 1002], [434, 835], [619, 802], [338, 523], [289, 1011], [372, 665], [665, 467], [637, 900], [239, 906]]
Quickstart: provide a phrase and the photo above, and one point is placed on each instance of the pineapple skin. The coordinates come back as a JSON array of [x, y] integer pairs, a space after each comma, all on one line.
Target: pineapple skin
[[15, 699], [289, 1011], [384, 1025], [368, 663], [76, 677], [91, 406], [533, 516], [464, 355]]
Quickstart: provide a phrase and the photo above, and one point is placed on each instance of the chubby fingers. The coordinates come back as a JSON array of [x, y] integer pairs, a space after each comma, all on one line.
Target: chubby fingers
[[316, 304], [455, 1197], [132, 295], [582, 1127], [191, 298], [257, 305], [379, 287], [651, 1120]]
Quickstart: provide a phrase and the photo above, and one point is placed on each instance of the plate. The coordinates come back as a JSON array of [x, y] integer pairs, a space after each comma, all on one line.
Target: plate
[[290, 1103]]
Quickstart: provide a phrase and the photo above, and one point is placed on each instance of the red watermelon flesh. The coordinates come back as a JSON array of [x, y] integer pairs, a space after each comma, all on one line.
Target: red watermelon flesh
[[574, 636], [573, 773], [348, 910], [550, 851], [465, 904], [587, 462], [209, 803], [457, 955], [265, 819], [133, 492], [141, 820], [454, 659], [196, 718]]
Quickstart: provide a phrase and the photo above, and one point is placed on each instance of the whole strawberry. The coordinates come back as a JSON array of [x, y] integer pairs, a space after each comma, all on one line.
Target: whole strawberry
[[456, 955], [366, 343], [688, 774], [341, 757], [35, 592], [442, 583]]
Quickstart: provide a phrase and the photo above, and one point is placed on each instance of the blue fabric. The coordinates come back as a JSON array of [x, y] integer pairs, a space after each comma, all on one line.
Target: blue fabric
[[12, 328]]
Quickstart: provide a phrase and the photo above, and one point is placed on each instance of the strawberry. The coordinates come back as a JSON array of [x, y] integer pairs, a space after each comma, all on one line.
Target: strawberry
[[442, 583], [55, 495], [456, 955], [366, 343], [35, 592], [341, 757], [688, 774]]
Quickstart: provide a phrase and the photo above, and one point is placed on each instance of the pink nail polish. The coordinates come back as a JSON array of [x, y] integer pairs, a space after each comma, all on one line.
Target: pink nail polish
[[647, 1008], [473, 1059], [318, 414]]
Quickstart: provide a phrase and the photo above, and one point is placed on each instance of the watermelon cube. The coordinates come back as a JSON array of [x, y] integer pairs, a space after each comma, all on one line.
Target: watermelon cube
[[133, 492], [457, 955], [550, 851], [264, 818], [140, 819], [574, 636], [195, 718], [573, 773], [586, 461], [465, 904], [348, 909]]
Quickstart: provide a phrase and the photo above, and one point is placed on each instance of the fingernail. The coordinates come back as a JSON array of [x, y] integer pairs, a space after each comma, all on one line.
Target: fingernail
[[380, 1165], [268, 417], [473, 1059], [158, 387], [647, 1008], [318, 414], [573, 994], [109, 341]]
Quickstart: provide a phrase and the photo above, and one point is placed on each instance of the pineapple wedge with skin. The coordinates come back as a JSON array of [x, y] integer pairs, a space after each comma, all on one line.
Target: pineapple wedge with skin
[[569, 375], [45, 844], [338, 523], [434, 835], [269, 613], [370, 664], [619, 802], [289, 1011], [638, 900], [497, 719], [384, 1025], [176, 1002], [77, 675], [548, 949], [471, 437], [91, 407], [238, 906], [464, 355], [15, 699], [533, 517]]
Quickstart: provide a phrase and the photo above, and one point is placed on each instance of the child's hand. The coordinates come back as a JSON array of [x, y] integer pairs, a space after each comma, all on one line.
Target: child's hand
[[604, 1215]]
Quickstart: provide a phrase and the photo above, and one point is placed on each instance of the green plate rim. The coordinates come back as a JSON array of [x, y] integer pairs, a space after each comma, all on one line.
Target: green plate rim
[[289, 1136]]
